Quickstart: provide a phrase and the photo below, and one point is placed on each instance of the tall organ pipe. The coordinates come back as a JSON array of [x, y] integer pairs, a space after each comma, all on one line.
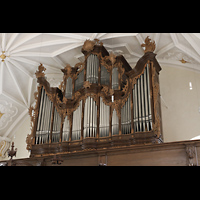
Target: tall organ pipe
[[56, 127], [90, 118], [76, 126], [92, 69], [115, 123], [66, 130], [126, 117], [141, 103], [44, 119], [104, 119]]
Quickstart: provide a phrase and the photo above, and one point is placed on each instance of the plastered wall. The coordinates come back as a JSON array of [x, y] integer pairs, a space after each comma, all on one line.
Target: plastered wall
[[180, 104]]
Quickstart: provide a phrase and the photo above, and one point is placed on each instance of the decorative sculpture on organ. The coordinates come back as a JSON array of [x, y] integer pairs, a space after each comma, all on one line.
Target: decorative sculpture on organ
[[101, 103]]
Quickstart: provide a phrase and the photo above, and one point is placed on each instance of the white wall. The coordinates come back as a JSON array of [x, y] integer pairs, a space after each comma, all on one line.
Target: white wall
[[181, 121], [20, 139]]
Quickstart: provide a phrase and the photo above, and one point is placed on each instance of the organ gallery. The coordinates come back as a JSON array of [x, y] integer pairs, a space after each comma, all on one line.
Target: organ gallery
[[101, 103]]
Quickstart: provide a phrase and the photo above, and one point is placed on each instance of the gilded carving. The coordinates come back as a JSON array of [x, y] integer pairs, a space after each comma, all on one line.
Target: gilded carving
[[88, 45], [4, 145], [156, 97], [112, 58], [149, 46], [87, 84], [40, 71], [29, 140]]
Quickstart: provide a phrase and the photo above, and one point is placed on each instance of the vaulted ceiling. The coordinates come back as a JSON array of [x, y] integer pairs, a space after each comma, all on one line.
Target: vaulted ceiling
[[21, 54]]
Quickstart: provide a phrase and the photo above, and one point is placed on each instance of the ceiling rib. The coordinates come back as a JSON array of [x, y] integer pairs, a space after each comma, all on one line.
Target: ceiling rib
[[3, 41], [32, 54], [30, 91], [60, 62], [189, 52], [94, 35], [16, 83], [11, 98], [101, 35], [20, 67], [11, 40], [70, 35], [115, 35], [156, 38], [67, 48], [192, 42], [44, 44], [1, 78], [25, 39], [165, 49]]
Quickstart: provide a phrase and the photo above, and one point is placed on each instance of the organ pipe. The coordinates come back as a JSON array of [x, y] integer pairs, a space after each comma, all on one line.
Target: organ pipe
[[68, 88], [76, 125], [90, 118], [104, 119], [92, 69]]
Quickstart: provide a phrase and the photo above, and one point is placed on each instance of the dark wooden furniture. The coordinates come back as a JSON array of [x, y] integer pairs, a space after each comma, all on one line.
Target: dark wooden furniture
[[181, 153], [101, 103]]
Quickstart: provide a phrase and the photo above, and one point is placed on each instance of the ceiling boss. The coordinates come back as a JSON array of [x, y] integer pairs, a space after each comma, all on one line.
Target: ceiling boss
[[1, 114], [3, 56]]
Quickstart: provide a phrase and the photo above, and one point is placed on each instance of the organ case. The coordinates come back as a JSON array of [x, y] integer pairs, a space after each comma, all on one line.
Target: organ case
[[101, 103]]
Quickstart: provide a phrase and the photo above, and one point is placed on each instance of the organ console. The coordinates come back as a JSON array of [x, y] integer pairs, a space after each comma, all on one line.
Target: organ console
[[101, 103]]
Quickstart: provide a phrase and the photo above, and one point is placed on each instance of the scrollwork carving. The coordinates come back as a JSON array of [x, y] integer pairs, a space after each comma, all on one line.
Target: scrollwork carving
[[149, 46], [87, 84], [40, 71], [191, 153], [89, 45]]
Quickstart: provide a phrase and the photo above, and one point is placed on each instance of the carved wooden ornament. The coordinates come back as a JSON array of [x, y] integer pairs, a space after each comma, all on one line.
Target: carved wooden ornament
[[149, 46]]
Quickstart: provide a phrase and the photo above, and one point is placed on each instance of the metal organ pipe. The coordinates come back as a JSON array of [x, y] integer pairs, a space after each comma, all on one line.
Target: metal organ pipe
[[44, 119], [141, 103], [66, 130], [92, 69], [76, 126], [115, 123], [90, 118], [68, 88], [104, 119], [126, 117], [115, 81], [56, 127], [105, 76], [79, 81]]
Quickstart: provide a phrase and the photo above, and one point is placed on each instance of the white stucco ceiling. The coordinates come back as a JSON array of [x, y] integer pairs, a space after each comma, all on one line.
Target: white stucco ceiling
[[21, 53]]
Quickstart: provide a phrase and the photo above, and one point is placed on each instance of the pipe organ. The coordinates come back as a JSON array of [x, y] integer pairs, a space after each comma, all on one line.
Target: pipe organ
[[101, 103]]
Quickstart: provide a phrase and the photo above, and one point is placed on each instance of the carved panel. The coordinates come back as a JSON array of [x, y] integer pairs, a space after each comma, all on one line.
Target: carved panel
[[8, 112], [191, 153]]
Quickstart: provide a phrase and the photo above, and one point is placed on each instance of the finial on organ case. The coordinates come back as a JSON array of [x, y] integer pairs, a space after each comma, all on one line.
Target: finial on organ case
[[89, 44], [40, 71], [149, 46]]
